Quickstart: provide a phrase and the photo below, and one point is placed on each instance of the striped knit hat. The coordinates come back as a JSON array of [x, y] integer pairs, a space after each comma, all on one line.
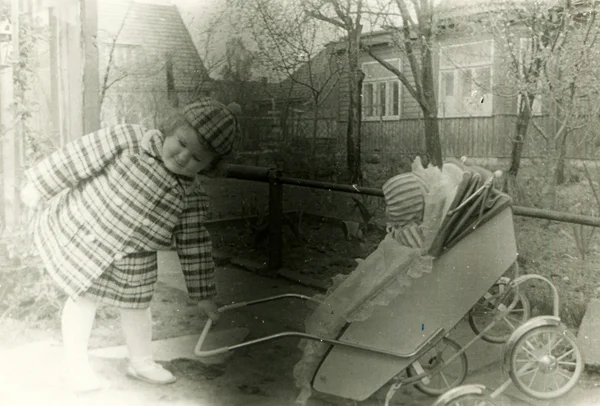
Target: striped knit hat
[[214, 122], [405, 198]]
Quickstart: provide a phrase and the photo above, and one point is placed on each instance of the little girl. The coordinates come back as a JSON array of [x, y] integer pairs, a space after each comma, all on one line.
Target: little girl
[[114, 198]]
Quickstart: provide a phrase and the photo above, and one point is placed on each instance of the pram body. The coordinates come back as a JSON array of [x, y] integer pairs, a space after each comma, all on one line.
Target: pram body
[[439, 299], [475, 247]]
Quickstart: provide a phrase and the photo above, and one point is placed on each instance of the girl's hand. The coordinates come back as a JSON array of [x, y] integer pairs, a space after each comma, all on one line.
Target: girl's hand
[[208, 307], [30, 196]]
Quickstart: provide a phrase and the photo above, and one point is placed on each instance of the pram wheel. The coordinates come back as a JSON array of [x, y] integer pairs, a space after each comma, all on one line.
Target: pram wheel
[[470, 400], [490, 305], [449, 376], [466, 395], [545, 362]]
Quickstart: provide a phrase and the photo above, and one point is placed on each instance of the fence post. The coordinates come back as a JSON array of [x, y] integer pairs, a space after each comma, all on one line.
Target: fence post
[[275, 220]]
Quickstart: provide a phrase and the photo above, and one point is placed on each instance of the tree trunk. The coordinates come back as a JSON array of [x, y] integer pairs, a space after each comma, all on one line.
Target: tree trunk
[[353, 133], [432, 141], [523, 120], [432, 126], [517, 146], [560, 160], [313, 148], [350, 150], [549, 188]]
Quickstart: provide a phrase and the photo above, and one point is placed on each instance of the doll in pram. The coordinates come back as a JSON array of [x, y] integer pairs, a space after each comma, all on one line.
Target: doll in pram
[[450, 241]]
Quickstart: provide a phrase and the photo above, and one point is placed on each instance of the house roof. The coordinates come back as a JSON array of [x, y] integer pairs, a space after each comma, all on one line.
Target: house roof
[[158, 29], [463, 8]]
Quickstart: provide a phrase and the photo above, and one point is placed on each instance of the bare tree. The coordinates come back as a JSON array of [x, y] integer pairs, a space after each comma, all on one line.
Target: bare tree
[[289, 45], [348, 17], [548, 49], [414, 38]]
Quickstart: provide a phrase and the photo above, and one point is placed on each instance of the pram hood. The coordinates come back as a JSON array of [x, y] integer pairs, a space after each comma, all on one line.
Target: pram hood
[[476, 201]]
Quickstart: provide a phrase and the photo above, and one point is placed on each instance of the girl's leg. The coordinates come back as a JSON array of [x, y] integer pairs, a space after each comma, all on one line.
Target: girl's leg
[[77, 320], [137, 330]]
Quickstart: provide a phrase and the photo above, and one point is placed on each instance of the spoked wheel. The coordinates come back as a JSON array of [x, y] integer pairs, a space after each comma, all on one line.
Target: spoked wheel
[[471, 399], [450, 376], [493, 303], [466, 395], [545, 362]]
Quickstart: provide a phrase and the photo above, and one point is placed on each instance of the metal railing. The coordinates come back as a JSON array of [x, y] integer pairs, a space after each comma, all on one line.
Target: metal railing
[[276, 181]]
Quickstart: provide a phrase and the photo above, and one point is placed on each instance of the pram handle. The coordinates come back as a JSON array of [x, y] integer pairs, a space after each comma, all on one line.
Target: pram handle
[[432, 339], [198, 350]]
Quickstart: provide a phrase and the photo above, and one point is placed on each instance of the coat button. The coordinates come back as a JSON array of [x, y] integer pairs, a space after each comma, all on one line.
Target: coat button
[[150, 160], [118, 201], [146, 222], [89, 238], [119, 256]]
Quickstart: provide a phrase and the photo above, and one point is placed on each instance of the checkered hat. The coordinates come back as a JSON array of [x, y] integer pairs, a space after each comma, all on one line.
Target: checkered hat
[[405, 198], [214, 122]]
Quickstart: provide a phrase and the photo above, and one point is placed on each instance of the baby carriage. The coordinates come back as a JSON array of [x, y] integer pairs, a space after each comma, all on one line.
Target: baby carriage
[[405, 341]]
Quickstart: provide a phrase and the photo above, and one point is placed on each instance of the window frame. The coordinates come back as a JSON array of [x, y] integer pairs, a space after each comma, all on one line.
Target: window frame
[[376, 82], [456, 78]]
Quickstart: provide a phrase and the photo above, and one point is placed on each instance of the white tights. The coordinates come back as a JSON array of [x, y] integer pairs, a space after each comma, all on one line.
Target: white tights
[[78, 318]]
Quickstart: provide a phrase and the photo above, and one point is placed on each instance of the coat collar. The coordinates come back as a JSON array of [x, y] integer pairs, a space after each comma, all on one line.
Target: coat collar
[[152, 144]]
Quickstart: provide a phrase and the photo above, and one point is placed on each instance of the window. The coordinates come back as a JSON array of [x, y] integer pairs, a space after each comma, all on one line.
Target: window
[[124, 55], [381, 91], [465, 80], [525, 53]]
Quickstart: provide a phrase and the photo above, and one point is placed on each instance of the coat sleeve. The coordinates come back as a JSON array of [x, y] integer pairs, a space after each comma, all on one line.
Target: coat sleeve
[[82, 158], [194, 248]]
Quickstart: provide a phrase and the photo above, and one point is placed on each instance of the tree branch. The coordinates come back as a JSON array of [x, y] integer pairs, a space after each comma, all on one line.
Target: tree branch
[[105, 85], [539, 130]]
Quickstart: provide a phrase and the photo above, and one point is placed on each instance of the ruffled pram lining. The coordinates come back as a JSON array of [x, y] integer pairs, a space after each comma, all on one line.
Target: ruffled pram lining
[[401, 258]]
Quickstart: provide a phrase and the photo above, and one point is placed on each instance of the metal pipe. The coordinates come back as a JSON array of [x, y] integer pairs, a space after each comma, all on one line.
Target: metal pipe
[[218, 351], [556, 216], [333, 186], [246, 172]]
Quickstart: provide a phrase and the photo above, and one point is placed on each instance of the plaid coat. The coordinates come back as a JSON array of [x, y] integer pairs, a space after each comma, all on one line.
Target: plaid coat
[[112, 203]]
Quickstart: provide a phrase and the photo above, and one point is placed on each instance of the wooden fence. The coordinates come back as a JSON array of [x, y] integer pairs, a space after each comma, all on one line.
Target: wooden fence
[[481, 137], [260, 133], [484, 137]]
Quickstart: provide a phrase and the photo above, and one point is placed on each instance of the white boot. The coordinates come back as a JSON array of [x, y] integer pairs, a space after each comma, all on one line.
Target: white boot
[[149, 371], [137, 329]]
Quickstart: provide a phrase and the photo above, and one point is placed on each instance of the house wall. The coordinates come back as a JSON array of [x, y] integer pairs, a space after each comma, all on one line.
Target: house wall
[[485, 136]]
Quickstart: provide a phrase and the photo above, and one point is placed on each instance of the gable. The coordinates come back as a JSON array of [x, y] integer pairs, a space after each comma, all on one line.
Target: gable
[[152, 31]]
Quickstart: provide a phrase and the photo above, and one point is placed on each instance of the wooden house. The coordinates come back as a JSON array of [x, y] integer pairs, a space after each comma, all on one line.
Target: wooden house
[[476, 93], [148, 61]]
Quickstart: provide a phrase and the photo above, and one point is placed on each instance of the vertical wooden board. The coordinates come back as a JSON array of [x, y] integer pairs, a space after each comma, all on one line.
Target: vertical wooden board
[[90, 74], [470, 127], [10, 155], [494, 137]]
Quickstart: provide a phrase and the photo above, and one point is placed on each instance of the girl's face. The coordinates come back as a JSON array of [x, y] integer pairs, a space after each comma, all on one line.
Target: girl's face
[[184, 154]]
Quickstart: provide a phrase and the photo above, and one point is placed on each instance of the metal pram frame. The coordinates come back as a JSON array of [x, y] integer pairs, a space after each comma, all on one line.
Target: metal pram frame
[[376, 351]]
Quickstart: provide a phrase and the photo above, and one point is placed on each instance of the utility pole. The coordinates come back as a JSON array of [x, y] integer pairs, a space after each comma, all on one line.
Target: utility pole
[[9, 50]]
